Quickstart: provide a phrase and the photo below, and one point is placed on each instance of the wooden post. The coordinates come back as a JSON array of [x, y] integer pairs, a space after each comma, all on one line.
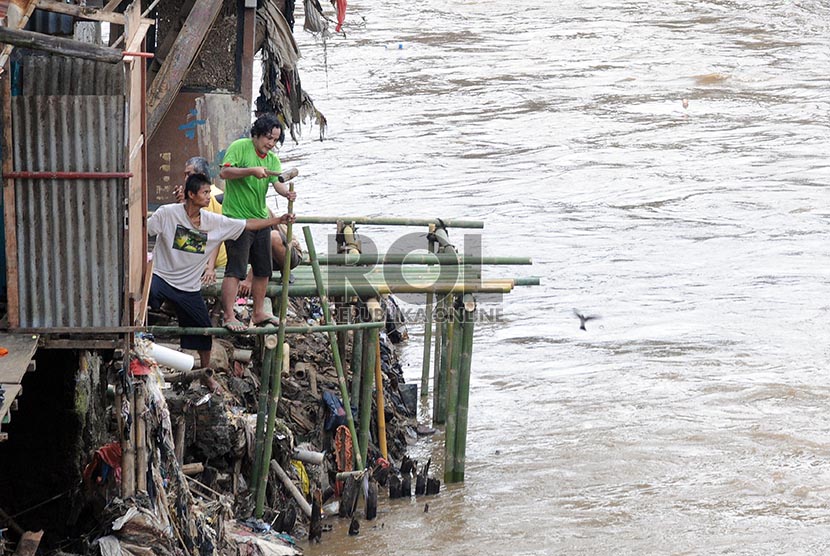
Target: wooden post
[[9, 212], [58, 45], [170, 77]]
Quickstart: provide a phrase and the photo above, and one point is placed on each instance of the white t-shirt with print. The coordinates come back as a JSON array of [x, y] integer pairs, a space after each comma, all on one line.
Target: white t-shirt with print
[[182, 250]]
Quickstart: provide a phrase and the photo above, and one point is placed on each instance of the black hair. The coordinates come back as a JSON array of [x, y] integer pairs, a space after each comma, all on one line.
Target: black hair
[[194, 183], [264, 124]]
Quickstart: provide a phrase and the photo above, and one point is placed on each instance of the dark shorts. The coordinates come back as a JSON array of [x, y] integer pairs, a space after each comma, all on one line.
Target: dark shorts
[[296, 256], [190, 310], [251, 247]]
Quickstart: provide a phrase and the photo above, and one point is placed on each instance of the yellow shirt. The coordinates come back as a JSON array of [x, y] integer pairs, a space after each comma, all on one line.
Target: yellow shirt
[[216, 207]]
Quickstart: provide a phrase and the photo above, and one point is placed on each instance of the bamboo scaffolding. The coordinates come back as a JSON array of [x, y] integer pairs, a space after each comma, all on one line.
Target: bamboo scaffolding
[[356, 363], [321, 292], [276, 372], [442, 388], [375, 290]]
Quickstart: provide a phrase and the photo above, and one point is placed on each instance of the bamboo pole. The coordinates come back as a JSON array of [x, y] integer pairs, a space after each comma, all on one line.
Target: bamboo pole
[[264, 385], [370, 259], [366, 384], [344, 392], [127, 446], [357, 360], [427, 332], [436, 356], [447, 352], [464, 392], [295, 493], [384, 451], [166, 331], [452, 400], [374, 290], [390, 221], [277, 367]]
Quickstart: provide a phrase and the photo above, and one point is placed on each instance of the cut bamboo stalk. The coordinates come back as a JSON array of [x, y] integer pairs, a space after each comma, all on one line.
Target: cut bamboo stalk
[[262, 410], [447, 352], [371, 259], [452, 400], [338, 365], [464, 395], [307, 456], [390, 221], [366, 385], [357, 360], [384, 451], [193, 468], [427, 332], [295, 492]]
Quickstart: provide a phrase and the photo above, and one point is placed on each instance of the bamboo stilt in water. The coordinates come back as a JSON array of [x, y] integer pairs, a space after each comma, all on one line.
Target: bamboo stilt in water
[[427, 333], [338, 365], [276, 370], [447, 352], [452, 399], [464, 392], [436, 356], [262, 410], [358, 343], [366, 384], [140, 439], [384, 451]]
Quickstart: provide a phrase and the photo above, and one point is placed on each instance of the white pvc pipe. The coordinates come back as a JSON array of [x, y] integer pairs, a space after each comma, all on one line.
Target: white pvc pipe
[[171, 358]]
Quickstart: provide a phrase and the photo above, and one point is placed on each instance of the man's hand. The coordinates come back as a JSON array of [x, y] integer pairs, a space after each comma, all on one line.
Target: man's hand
[[259, 172], [178, 193], [244, 288], [288, 217], [290, 195], [209, 277]]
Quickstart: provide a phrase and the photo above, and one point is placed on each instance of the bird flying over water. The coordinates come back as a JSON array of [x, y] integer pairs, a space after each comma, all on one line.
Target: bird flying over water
[[584, 318]]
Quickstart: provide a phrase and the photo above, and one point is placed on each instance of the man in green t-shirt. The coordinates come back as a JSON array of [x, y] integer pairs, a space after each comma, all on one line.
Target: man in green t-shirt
[[249, 167]]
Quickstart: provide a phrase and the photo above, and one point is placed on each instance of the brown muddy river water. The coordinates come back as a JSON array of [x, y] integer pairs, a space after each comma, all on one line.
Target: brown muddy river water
[[694, 418]]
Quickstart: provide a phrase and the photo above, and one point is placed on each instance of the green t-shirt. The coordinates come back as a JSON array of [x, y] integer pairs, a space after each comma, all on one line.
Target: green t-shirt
[[245, 197]]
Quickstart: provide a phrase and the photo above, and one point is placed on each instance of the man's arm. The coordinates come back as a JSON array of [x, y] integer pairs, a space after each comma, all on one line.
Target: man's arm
[[283, 190], [234, 173], [254, 224]]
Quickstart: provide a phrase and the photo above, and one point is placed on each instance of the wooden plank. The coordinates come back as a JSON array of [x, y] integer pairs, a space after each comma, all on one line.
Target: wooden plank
[[57, 45], [9, 212], [169, 79], [81, 12], [21, 348], [28, 543]]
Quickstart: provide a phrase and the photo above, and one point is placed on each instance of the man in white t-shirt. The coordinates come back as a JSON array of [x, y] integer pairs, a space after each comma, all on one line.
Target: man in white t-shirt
[[187, 236]]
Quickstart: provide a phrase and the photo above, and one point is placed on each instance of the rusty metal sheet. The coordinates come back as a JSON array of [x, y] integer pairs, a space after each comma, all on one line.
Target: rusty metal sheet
[[70, 233], [197, 124]]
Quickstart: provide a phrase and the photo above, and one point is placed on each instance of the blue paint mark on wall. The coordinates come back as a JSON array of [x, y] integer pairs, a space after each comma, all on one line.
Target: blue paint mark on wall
[[190, 127]]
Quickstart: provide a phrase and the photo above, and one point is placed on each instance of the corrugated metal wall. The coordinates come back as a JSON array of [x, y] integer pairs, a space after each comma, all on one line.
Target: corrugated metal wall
[[68, 115]]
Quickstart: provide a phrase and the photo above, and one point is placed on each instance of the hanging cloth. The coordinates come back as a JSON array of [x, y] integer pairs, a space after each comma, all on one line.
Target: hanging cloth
[[340, 5]]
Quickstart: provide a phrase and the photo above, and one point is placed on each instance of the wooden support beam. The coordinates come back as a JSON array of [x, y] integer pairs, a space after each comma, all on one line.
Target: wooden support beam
[[112, 5], [17, 17], [83, 12], [65, 47], [169, 79]]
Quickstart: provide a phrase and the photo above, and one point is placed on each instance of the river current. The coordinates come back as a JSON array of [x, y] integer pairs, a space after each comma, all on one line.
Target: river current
[[694, 417]]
